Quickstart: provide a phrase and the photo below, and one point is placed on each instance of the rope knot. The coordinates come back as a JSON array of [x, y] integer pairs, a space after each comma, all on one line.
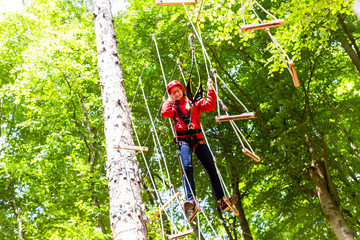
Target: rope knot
[[214, 71]]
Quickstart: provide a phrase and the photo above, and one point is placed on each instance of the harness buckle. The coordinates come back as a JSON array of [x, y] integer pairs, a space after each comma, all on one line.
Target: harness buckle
[[191, 126]]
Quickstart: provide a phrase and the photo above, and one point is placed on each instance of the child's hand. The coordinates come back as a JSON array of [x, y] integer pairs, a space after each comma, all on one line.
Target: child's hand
[[210, 84], [170, 99]]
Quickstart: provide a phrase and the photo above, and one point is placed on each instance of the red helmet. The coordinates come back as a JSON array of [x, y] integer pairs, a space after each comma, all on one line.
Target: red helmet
[[174, 84]]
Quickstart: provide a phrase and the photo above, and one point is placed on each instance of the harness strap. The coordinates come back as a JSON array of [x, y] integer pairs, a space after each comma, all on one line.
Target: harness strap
[[185, 118], [188, 132]]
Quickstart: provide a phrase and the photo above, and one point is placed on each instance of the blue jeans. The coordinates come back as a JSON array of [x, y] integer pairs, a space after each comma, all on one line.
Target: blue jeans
[[203, 153]]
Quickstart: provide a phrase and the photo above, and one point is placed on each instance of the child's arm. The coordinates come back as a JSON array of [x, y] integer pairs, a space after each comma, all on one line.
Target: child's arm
[[167, 110], [209, 104]]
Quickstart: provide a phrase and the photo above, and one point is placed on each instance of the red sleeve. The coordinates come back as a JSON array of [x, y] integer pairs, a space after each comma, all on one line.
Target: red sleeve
[[209, 104], [167, 110]]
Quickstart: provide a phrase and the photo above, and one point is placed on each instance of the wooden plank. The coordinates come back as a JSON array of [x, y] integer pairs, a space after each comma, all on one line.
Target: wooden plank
[[293, 73], [224, 118], [179, 235], [253, 27], [164, 206], [175, 2], [136, 148], [193, 215], [231, 206], [250, 154]]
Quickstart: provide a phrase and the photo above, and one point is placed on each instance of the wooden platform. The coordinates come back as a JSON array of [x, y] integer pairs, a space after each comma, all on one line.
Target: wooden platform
[[135, 148], [164, 206], [193, 215], [253, 27], [231, 206], [175, 2], [294, 74], [250, 154], [224, 118], [179, 235]]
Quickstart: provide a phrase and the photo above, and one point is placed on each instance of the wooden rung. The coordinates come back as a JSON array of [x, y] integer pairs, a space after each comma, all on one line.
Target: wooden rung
[[293, 73], [136, 148], [179, 235], [164, 206], [253, 27], [175, 2], [224, 118], [231, 206], [193, 215], [250, 154]]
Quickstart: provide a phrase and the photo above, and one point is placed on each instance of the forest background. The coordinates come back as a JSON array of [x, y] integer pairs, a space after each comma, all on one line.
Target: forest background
[[53, 182]]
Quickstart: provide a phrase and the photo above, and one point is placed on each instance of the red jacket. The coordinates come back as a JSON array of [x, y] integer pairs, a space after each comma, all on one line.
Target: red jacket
[[203, 105]]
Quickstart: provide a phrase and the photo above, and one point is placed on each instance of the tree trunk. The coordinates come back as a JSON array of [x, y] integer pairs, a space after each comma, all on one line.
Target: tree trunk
[[351, 48], [330, 208], [352, 145], [127, 215], [242, 218], [16, 210]]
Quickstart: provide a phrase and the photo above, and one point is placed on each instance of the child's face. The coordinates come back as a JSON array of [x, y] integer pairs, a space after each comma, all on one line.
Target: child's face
[[176, 93]]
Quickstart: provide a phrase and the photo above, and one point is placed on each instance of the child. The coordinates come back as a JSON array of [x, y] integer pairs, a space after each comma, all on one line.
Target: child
[[189, 138]]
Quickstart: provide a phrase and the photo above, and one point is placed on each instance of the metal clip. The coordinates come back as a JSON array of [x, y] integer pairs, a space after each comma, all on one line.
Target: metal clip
[[192, 41]]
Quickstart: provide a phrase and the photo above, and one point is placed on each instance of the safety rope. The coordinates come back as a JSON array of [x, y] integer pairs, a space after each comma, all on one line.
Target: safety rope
[[255, 12], [151, 179], [153, 182], [277, 46], [148, 53], [267, 12]]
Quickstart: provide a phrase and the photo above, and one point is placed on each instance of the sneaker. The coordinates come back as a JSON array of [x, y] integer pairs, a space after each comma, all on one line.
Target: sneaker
[[190, 204], [233, 200], [223, 206]]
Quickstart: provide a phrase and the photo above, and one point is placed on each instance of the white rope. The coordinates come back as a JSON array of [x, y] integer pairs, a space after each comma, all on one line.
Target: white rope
[[203, 212], [162, 227], [254, 11], [243, 11], [277, 46], [147, 166], [217, 95], [268, 13], [162, 69], [156, 136], [152, 180], [197, 34], [158, 159], [232, 93], [205, 61], [237, 128], [182, 74]]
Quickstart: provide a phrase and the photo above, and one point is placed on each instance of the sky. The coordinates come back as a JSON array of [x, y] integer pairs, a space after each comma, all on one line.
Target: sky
[[10, 5], [16, 5]]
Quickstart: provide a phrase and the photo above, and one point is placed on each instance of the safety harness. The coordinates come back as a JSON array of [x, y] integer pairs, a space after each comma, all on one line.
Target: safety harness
[[191, 139]]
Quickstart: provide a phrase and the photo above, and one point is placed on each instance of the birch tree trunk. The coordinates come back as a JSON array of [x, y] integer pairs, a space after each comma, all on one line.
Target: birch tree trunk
[[328, 203], [127, 215]]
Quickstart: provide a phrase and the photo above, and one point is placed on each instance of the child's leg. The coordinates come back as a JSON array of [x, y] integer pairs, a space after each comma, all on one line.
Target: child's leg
[[185, 154], [203, 153]]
